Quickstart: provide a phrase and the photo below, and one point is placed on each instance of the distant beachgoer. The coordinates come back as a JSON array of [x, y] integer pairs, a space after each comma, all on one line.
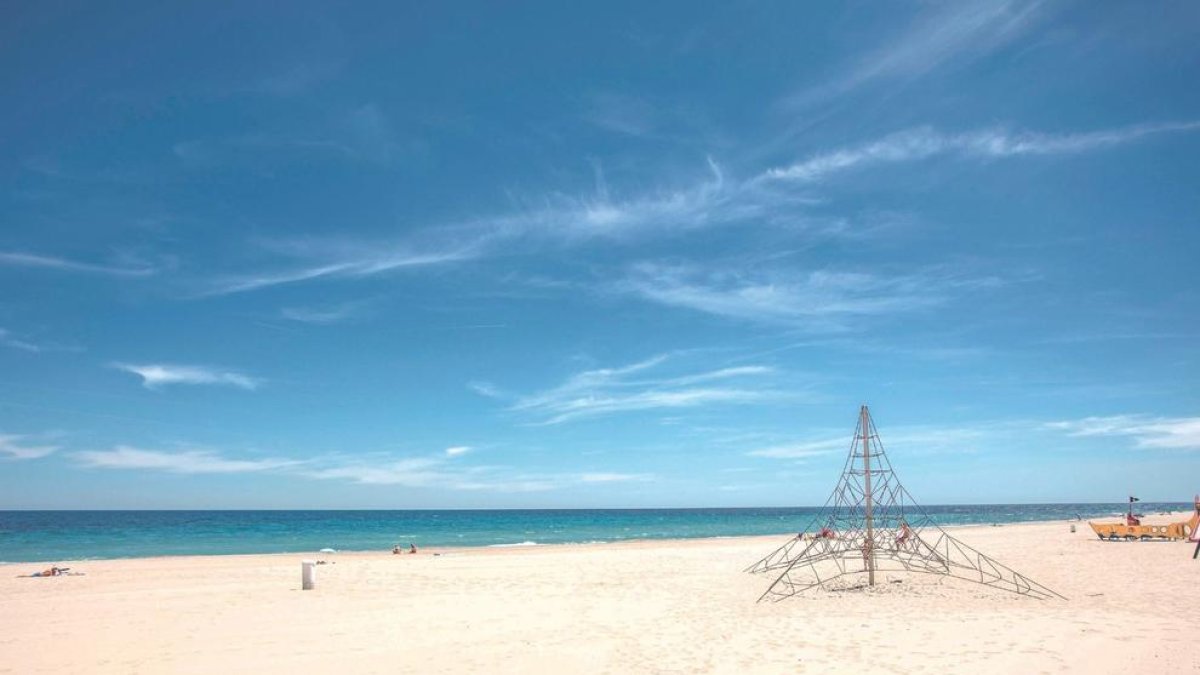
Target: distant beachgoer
[[396, 549], [52, 572], [412, 548]]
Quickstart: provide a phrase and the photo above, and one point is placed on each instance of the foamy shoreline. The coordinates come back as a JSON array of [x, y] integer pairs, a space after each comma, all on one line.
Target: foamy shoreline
[[461, 550]]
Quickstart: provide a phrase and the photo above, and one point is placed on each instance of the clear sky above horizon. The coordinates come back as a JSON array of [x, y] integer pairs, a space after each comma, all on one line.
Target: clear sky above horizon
[[492, 255]]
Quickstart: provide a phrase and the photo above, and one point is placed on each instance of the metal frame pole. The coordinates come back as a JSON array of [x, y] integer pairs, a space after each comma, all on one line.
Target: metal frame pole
[[869, 554]]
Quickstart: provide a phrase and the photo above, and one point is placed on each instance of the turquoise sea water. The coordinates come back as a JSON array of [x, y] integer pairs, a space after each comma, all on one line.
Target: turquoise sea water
[[27, 536]]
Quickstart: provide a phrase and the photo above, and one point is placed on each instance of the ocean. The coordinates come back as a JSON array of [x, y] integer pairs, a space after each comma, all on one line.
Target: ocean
[[27, 536]]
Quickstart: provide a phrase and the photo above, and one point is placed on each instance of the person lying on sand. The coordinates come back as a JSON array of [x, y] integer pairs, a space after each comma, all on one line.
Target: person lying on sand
[[52, 572]]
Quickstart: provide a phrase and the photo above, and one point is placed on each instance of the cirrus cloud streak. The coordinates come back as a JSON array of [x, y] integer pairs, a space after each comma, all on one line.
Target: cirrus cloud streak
[[184, 462], [1147, 431], [921, 143], [630, 388], [160, 375], [16, 446]]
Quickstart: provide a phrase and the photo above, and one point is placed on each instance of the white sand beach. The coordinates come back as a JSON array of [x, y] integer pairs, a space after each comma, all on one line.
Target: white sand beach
[[640, 607]]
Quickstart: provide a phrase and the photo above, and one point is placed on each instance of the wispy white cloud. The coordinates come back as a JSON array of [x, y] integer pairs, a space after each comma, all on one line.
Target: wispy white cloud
[[779, 197], [907, 439], [322, 315], [9, 340], [931, 349], [622, 113], [615, 477], [1146, 431], [185, 462], [21, 259], [13, 446], [924, 142], [360, 264], [951, 33], [818, 299], [647, 119], [948, 31], [158, 375], [255, 281], [411, 472], [418, 473], [802, 450], [511, 484], [12, 341], [593, 405], [556, 220], [607, 391], [576, 219], [424, 471], [950, 439], [442, 472], [297, 79], [708, 201], [486, 389]]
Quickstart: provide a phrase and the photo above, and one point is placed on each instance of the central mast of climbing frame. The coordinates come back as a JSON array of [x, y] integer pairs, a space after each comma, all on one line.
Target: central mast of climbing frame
[[869, 551]]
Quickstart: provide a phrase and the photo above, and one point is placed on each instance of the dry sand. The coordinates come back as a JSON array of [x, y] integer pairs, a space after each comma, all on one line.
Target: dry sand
[[641, 607]]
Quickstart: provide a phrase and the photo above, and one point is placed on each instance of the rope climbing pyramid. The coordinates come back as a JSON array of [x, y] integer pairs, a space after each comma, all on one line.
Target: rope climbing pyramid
[[871, 524]]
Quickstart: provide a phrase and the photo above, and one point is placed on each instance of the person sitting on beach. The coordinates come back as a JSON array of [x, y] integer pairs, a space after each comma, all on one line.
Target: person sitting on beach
[[412, 548], [396, 549]]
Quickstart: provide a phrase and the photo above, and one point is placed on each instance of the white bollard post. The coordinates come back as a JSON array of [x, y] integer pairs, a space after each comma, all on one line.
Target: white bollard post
[[308, 575]]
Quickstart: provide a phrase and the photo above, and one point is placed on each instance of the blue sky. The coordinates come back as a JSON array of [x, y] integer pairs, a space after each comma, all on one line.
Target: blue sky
[[557, 255]]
